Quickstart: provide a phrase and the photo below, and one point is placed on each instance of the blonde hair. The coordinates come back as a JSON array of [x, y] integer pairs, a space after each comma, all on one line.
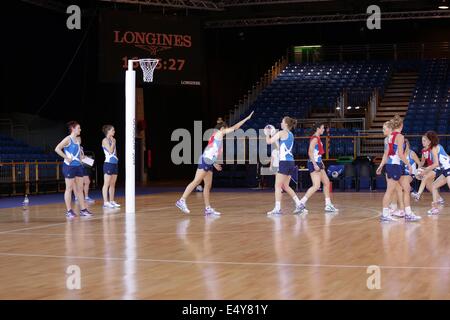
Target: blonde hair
[[388, 124], [396, 122]]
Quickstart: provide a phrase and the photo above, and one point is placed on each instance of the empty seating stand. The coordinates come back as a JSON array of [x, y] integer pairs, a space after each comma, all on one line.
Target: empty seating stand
[[12, 150], [300, 88], [429, 107]]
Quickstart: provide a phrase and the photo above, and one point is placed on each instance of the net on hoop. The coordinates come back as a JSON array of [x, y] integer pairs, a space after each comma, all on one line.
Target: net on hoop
[[148, 66]]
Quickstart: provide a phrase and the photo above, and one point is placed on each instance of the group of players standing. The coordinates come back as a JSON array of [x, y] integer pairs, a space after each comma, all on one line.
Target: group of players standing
[[400, 164]]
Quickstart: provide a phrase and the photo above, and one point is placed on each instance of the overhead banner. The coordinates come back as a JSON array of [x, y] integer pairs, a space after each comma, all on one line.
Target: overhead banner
[[176, 42]]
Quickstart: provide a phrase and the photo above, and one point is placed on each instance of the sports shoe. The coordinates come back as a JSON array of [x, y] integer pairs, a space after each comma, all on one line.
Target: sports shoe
[[70, 214], [274, 212], [115, 204], [88, 199], [108, 205], [441, 201], [331, 208], [412, 217], [415, 196], [211, 211], [85, 213], [399, 213], [387, 218], [300, 209], [182, 206], [433, 212]]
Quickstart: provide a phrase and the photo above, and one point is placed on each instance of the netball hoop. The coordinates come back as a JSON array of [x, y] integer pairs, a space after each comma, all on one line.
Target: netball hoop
[[147, 66]]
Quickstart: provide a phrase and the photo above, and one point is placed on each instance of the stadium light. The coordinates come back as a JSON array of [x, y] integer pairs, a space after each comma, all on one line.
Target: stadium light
[[443, 5]]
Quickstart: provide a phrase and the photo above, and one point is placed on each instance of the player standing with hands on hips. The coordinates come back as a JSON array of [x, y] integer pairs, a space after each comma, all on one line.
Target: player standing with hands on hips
[[69, 149]]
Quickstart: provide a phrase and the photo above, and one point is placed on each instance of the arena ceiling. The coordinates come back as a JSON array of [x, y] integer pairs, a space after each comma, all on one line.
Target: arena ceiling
[[246, 13]]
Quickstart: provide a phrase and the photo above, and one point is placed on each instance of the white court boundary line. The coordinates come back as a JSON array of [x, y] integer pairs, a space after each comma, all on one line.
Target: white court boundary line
[[264, 264], [360, 220], [304, 265], [102, 216]]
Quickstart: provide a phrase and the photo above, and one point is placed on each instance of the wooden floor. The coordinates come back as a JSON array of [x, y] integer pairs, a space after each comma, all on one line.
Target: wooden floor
[[159, 253]]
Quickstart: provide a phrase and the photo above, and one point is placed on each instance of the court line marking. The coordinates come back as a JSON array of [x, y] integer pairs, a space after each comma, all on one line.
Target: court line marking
[[13, 232], [102, 216], [268, 264], [148, 233], [16, 231]]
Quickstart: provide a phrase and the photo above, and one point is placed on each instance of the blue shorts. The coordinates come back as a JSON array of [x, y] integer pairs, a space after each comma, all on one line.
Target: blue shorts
[[437, 171], [110, 168], [70, 172], [86, 171], [394, 171], [287, 168], [446, 172], [205, 165], [311, 166], [406, 172]]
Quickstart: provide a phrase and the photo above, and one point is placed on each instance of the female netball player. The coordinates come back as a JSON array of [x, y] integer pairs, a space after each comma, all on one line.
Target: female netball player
[[428, 176], [286, 167], [317, 170], [86, 177], [440, 160], [207, 162], [69, 149], [396, 207], [407, 176], [110, 167], [394, 171]]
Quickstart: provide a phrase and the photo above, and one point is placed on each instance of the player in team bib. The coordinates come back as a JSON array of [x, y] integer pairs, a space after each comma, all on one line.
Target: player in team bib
[[86, 178], [440, 160], [110, 167], [206, 164], [394, 170], [396, 207], [428, 176], [69, 149], [407, 176], [317, 170], [286, 163]]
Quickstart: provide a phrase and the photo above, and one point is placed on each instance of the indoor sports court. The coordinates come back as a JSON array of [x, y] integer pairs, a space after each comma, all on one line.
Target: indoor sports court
[[225, 150]]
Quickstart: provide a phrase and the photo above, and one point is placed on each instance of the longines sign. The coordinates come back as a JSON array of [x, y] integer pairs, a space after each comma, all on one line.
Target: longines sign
[[176, 42]]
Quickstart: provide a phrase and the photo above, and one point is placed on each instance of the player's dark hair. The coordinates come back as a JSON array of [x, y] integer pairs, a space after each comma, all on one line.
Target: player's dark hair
[[220, 125], [106, 128], [291, 122], [316, 126], [71, 125], [433, 137]]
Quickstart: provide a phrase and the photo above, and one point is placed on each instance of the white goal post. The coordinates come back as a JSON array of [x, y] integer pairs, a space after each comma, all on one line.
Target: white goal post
[[147, 66]]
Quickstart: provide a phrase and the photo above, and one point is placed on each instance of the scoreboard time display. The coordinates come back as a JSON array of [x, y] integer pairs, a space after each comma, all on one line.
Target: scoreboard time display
[[177, 43]]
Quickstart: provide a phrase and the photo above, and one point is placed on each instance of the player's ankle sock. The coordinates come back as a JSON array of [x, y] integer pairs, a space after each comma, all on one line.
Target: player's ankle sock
[[327, 201], [385, 212], [277, 205], [303, 200], [297, 201], [408, 210]]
